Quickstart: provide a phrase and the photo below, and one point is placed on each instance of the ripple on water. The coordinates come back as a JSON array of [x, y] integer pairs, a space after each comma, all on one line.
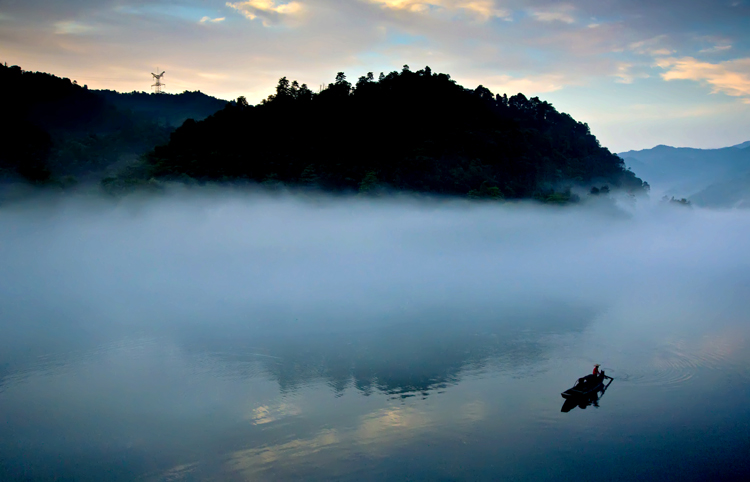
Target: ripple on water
[[679, 360]]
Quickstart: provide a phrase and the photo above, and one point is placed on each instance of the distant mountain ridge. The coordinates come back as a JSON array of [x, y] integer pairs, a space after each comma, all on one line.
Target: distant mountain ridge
[[709, 177]]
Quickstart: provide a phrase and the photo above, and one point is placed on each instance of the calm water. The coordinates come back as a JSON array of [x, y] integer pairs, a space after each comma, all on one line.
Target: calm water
[[234, 337]]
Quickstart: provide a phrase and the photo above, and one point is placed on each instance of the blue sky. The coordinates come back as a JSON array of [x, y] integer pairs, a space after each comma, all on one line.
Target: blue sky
[[640, 73]]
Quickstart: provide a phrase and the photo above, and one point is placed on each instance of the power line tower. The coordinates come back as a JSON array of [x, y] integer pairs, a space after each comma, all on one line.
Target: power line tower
[[158, 85]]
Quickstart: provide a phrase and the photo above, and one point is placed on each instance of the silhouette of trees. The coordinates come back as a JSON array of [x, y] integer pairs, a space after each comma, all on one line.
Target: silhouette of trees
[[59, 129], [595, 191], [678, 202], [416, 131]]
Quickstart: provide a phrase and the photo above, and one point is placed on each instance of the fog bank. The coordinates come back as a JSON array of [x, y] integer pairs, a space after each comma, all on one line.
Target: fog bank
[[82, 267]]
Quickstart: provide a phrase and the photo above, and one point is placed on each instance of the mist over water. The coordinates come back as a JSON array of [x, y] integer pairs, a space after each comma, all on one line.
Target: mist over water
[[224, 333]]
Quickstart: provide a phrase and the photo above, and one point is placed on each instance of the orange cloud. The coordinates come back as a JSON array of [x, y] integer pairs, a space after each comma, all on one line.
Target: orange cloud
[[483, 9], [269, 11], [532, 85], [731, 77]]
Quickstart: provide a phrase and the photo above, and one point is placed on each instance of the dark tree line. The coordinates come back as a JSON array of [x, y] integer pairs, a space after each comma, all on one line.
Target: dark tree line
[[415, 131], [34, 105], [55, 128], [164, 109]]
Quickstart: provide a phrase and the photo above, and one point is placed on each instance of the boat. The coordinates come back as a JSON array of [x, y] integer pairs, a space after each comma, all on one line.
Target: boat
[[586, 386]]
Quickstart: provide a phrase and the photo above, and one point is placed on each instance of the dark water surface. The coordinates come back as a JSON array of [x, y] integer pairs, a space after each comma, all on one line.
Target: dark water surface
[[198, 337]]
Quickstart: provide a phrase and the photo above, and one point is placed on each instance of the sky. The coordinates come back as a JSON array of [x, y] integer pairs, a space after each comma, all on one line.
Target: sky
[[640, 73]]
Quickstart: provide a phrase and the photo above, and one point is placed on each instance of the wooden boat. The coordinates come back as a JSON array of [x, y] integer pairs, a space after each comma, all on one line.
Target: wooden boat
[[586, 386]]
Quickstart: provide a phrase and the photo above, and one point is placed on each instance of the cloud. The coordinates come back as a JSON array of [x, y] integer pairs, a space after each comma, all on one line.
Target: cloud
[[625, 75], [560, 13], [532, 85], [269, 11], [483, 9], [212, 20], [72, 27], [731, 77], [650, 46], [716, 48]]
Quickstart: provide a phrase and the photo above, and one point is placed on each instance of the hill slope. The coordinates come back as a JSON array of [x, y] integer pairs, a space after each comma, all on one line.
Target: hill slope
[[414, 131], [166, 109], [56, 128], [729, 193]]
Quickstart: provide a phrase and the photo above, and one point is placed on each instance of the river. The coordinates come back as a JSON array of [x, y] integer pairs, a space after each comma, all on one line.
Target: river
[[211, 335]]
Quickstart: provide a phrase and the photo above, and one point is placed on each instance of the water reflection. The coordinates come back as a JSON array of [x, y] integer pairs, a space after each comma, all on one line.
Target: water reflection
[[402, 360], [263, 395]]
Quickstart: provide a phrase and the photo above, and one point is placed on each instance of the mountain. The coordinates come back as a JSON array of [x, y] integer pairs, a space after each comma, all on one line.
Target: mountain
[[730, 193], [57, 129], [743, 145], [166, 109], [682, 171], [406, 131]]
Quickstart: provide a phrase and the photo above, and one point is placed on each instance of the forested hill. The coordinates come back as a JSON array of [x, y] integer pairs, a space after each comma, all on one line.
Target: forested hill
[[414, 131], [55, 128], [165, 108]]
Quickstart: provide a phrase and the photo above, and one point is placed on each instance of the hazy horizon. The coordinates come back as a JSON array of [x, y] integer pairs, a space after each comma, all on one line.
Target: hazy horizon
[[194, 236]]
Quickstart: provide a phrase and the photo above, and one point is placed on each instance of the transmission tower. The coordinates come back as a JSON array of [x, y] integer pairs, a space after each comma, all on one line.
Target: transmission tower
[[158, 85]]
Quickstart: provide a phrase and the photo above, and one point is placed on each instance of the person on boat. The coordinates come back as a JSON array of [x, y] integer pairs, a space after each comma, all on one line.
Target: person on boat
[[591, 378]]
